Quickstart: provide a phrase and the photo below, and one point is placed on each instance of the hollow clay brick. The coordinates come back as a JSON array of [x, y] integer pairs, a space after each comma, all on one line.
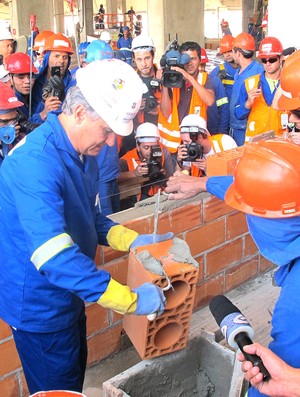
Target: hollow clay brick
[[168, 332], [224, 163]]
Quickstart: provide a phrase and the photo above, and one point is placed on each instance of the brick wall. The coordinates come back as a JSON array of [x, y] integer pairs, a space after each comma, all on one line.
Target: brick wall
[[220, 242]]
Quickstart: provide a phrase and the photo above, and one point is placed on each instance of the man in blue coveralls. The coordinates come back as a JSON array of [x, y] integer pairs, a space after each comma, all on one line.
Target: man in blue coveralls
[[51, 225]]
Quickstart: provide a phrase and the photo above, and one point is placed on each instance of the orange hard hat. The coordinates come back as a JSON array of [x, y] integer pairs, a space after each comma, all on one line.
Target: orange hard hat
[[244, 41], [267, 180], [226, 44], [19, 63], [204, 58], [269, 46], [39, 41], [8, 99], [58, 42], [290, 83]]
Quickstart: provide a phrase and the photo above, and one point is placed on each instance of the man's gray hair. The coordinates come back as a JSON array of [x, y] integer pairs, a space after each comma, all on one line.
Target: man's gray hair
[[74, 98]]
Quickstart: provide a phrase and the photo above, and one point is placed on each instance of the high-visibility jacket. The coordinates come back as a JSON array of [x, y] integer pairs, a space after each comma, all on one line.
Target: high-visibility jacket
[[133, 160], [49, 230], [228, 81], [262, 117], [169, 128], [216, 146]]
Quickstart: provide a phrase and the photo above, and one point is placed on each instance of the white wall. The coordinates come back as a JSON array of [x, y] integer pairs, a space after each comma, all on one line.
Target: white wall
[[284, 21]]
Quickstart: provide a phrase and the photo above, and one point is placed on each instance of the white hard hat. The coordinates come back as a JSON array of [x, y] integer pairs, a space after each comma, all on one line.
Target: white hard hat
[[5, 34], [147, 132], [117, 96], [4, 74], [142, 43], [105, 36], [192, 120]]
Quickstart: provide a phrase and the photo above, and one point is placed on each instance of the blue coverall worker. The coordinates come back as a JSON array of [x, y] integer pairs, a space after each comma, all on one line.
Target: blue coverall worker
[[51, 225], [228, 69], [124, 44], [243, 51], [9, 104], [266, 187], [57, 52]]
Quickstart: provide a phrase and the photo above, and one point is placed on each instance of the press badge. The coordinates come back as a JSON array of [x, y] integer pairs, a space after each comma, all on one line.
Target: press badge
[[284, 120]]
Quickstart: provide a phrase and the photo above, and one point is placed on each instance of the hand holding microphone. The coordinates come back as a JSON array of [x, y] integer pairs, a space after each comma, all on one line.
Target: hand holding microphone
[[236, 329]]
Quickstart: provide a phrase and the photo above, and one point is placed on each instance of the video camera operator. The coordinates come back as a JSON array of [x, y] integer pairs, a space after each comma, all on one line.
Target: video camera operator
[[149, 163], [192, 97], [197, 144]]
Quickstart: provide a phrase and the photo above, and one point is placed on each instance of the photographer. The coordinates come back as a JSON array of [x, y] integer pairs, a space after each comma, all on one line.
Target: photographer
[[9, 129], [198, 144], [149, 164], [193, 97], [143, 51], [22, 74]]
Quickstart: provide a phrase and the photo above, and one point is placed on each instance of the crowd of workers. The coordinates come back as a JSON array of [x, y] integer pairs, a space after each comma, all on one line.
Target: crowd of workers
[[70, 137]]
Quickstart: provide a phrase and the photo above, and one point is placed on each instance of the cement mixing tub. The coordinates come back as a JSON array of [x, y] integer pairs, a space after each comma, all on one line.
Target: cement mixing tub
[[203, 369]]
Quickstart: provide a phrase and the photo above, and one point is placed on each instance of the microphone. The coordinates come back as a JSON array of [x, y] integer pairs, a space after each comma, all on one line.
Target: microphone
[[236, 329]]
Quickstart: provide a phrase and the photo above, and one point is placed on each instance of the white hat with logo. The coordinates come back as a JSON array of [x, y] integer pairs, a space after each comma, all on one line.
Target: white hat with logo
[[114, 90]]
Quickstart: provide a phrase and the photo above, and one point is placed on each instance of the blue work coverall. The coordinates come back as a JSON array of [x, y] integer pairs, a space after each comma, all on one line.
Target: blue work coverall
[[49, 230], [278, 240]]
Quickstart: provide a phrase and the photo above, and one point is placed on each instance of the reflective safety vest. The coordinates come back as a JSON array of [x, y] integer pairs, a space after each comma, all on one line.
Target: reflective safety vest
[[169, 128], [216, 146], [133, 160], [226, 81], [262, 118]]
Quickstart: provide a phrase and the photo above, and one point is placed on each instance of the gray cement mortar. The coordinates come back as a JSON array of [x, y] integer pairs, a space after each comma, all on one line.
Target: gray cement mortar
[[203, 369]]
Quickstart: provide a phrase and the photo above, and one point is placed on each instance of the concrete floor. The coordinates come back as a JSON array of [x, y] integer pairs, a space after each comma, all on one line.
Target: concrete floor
[[255, 299]]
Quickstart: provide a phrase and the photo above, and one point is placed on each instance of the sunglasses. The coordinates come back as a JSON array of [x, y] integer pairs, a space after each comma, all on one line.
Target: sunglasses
[[296, 113], [270, 60]]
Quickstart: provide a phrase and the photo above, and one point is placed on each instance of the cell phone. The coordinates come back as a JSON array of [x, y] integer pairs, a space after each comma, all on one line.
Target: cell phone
[[55, 71]]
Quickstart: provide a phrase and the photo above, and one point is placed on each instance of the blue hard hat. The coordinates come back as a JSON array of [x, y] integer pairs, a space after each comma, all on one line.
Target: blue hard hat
[[82, 47], [98, 50]]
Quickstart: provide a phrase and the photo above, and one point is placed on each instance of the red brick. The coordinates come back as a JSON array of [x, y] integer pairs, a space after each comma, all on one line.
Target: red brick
[[215, 208], [9, 386], [97, 318], [207, 290], [118, 269], [181, 219], [141, 226], [237, 275], [5, 330], [265, 264], [111, 254], [104, 344], [236, 225], [250, 247], [200, 261], [11, 361], [222, 257], [206, 237]]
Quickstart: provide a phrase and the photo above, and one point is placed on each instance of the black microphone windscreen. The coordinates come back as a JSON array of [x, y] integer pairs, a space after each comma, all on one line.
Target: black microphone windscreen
[[288, 51], [220, 307]]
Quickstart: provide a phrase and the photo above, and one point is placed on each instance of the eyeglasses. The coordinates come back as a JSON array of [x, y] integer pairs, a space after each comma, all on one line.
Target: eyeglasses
[[270, 60], [4, 122], [296, 113]]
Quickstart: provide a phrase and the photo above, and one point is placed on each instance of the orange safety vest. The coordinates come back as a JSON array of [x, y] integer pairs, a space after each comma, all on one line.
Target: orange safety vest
[[217, 147], [169, 128], [133, 160], [262, 118]]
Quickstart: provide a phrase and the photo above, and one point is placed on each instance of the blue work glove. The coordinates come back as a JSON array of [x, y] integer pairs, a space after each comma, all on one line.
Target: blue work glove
[[150, 300], [146, 239]]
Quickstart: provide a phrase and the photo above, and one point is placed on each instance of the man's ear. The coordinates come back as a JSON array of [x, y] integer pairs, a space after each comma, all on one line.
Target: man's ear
[[79, 113]]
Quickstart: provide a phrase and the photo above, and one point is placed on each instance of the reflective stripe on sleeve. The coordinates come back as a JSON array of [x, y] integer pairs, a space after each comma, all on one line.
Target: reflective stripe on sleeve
[[51, 248], [222, 101]]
